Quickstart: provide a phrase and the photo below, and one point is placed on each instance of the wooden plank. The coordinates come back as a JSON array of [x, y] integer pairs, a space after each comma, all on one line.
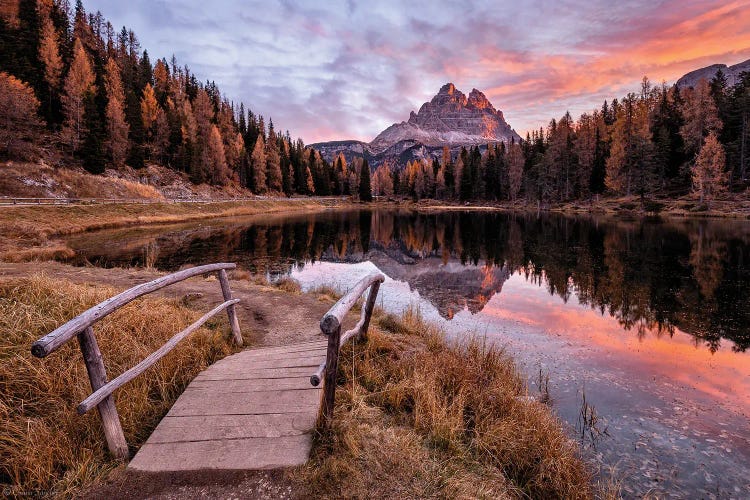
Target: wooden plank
[[210, 402], [312, 346], [257, 364], [229, 454], [215, 427], [53, 340], [270, 373], [252, 385], [108, 388]]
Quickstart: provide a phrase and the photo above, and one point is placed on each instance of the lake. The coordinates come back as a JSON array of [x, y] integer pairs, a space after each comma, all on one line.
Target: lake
[[637, 331]]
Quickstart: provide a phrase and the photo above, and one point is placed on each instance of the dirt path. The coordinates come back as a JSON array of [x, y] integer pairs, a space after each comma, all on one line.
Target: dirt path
[[273, 317]]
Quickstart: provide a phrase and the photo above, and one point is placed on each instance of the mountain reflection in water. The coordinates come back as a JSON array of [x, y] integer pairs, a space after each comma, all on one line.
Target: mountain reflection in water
[[652, 276], [647, 318]]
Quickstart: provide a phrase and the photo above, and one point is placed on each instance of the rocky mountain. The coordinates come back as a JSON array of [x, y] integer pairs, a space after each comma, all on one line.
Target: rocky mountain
[[731, 72], [450, 119]]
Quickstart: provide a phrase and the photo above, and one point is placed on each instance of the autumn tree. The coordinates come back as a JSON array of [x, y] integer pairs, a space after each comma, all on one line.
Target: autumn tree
[[214, 159], [700, 117], [117, 127], [78, 85], [274, 176], [18, 117], [258, 166], [149, 114], [708, 173]]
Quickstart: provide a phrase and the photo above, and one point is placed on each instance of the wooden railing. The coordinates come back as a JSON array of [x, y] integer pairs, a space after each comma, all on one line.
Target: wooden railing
[[330, 325], [82, 327]]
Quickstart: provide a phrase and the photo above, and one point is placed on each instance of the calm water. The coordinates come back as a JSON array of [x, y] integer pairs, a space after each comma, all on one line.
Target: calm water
[[648, 320]]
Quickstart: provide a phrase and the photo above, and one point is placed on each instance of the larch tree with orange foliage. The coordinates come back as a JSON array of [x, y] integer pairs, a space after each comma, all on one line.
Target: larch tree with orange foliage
[[78, 85], [18, 117], [117, 126], [708, 173]]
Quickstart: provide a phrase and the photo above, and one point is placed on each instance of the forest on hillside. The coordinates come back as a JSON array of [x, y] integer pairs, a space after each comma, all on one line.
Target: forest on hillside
[[660, 141], [73, 85]]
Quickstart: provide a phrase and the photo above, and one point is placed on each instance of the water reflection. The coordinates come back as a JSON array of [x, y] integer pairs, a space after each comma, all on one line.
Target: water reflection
[[652, 276]]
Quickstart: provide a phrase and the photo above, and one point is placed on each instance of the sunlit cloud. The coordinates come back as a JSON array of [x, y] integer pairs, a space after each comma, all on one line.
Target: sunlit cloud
[[348, 69]]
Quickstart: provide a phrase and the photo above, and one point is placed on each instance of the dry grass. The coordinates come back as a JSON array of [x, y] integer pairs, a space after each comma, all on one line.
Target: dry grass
[[27, 232], [418, 417], [44, 443]]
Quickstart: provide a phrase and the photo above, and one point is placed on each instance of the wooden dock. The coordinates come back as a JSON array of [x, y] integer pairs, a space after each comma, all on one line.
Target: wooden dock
[[253, 410], [256, 409]]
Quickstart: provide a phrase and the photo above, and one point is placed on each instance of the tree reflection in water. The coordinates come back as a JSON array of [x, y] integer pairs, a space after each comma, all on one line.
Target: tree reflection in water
[[653, 276]]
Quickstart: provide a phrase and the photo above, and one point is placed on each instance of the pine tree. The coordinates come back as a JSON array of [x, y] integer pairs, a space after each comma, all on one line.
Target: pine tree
[[708, 171], [515, 170], [49, 56], [365, 189], [117, 127], [78, 85]]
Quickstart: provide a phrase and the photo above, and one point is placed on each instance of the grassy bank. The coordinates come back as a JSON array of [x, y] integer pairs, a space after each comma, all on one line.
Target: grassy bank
[[736, 206], [44, 444], [32, 232], [417, 417]]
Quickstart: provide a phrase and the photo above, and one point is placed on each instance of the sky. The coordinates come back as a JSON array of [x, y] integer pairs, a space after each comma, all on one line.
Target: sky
[[347, 69]]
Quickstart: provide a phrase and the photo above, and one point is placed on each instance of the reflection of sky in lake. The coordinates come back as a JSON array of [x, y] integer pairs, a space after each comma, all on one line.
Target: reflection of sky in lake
[[665, 399]]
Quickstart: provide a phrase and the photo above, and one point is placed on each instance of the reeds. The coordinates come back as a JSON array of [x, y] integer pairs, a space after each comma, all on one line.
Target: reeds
[[44, 444], [419, 417]]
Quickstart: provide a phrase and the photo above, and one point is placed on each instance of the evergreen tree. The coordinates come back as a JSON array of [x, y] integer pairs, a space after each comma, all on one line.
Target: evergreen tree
[[117, 127], [365, 189]]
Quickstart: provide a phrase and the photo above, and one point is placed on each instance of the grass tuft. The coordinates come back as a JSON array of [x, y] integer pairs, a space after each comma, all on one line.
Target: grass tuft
[[44, 443], [417, 416]]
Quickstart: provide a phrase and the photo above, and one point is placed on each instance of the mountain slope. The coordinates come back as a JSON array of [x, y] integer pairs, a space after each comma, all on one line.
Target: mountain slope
[[731, 72]]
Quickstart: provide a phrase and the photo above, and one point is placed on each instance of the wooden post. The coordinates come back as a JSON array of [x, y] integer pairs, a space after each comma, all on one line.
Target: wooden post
[[369, 306], [118, 447], [332, 367], [231, 312]]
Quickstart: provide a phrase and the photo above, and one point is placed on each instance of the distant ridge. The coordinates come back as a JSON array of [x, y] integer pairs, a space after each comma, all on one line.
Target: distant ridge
[[731, 72]]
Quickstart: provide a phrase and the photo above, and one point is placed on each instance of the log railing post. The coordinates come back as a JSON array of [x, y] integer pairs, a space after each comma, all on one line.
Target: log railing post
[[231, 311], [369, 306], [92, 356], [331, 372]]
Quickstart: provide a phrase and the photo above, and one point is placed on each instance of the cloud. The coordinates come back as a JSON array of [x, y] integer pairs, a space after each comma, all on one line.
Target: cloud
[[348, 68]]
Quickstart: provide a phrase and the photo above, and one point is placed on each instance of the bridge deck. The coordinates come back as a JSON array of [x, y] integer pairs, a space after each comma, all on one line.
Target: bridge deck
[[252, 410]]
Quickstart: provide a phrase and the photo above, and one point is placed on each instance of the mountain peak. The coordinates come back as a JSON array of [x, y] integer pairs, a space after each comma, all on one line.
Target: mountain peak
[[478, 100], [452, 119]]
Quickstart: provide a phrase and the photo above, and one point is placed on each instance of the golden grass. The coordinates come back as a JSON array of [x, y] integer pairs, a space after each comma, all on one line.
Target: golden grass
[[417, 417], [25, 231], [44, 443]]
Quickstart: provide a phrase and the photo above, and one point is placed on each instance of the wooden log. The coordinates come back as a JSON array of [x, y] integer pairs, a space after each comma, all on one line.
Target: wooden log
[[332, 366], [52, 341], [318, 375], [335, 316], [105, 390], [369, 306], [231, 312], [92, 356]]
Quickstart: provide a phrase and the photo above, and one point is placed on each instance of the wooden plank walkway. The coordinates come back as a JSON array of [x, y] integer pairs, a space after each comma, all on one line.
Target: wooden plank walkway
[[253, 410]]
